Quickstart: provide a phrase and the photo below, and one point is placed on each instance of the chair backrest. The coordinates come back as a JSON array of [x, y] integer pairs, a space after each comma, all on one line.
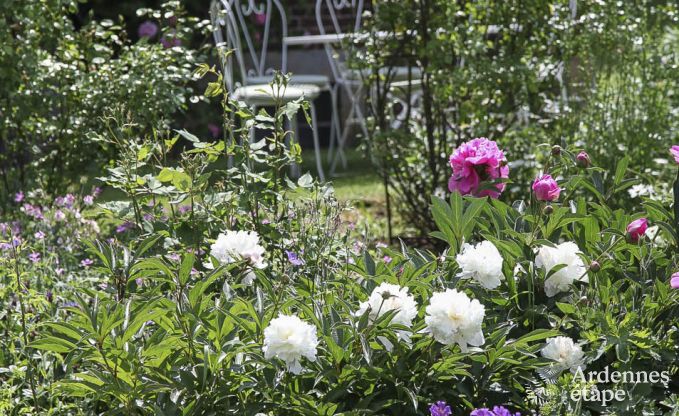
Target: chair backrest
[[231, 29], [338, 17]]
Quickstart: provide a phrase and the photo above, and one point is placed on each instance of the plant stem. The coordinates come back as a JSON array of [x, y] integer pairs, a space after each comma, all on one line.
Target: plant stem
[[22, 306]]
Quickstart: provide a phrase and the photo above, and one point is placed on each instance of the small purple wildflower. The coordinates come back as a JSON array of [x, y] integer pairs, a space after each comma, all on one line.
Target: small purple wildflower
[[440, 408], [88, 200], [96, 192], [147, 29], [86, 263], [18, 197], [69, 201], [59, 215], [127, 225], [59, 271], [497, 411], [183, 209], [387, 259], [293, 258], [34, 257]]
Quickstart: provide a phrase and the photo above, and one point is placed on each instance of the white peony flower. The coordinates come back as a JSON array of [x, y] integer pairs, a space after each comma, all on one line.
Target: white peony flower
[[289, 338], [387, 297], [566, 254], [453, 318], [233, 246], [565, 352], [482, 263]]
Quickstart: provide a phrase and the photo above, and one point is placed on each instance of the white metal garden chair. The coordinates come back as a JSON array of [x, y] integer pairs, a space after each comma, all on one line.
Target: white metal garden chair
[[351, 81], [230, 29]]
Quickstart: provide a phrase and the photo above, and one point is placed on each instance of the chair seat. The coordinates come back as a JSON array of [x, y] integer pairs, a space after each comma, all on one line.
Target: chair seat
[[265, 94], [311, 79]]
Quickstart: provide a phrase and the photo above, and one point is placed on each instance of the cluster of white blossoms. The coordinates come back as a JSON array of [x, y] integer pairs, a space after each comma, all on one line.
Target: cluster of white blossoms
[[481, 262], [289, 339], [565, 254], [564, 352], [453, 318], [387, 297], [232, 246]]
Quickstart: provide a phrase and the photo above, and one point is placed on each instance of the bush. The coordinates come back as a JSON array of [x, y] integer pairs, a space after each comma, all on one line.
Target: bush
[[59, 82]]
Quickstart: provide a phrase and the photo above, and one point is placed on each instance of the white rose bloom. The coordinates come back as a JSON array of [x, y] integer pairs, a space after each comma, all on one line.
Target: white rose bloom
[[387, 297], [482, 262], [565, 352], [289, 338], [453, 318], [567, 254], [233, 246]]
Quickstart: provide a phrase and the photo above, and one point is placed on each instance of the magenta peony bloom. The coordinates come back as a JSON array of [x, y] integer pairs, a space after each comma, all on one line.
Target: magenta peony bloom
[[675, 153], [148, 29], [476, 162], [546, 188], [440, 408], [583, 160], [674, 281], [636, 229]]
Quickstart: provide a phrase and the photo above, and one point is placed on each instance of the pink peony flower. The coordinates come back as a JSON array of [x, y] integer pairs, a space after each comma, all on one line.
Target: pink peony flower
[[546, 188], [148, 29], [636, 229], [476, 162], [675, 153], [674, 281]]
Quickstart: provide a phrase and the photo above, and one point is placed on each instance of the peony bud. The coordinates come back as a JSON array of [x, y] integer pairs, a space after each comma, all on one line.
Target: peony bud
[[548, 210], [546, 188], [594, 266], [674, 281], [636, 229], [556, 150], [583, 160]]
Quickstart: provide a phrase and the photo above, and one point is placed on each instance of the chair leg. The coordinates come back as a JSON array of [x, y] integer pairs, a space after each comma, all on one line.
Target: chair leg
[[317, 145], [336, 130]]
